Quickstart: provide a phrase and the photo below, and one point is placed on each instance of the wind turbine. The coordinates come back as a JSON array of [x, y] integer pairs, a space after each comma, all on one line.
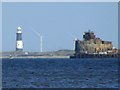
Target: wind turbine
[[40, 37]]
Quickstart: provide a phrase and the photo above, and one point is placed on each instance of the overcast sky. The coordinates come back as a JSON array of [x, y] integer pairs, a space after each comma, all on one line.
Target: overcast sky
[[58, 23]]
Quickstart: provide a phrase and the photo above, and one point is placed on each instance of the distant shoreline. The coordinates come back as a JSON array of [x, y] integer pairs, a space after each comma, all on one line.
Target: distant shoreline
[[61, 54], [54, 57], [32, 57], [25, 54]]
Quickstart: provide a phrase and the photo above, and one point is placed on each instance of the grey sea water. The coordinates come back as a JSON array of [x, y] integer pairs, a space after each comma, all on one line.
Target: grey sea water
[[60, 73]]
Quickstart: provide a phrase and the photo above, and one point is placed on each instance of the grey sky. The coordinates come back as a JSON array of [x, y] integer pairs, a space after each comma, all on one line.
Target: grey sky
[[59, 23]]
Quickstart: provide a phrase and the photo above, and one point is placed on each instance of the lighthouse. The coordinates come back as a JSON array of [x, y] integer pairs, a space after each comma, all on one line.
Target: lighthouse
[[19, 42]]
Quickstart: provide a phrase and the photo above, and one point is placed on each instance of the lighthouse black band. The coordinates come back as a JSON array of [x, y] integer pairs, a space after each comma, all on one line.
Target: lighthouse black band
[[19, 36]]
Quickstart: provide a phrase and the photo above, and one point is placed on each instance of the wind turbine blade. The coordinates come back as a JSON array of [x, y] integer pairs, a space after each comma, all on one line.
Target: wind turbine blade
[[37, 33]]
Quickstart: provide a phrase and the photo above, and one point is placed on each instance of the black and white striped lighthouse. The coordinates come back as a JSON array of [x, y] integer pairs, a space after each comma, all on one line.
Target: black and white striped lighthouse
[[19, 42]]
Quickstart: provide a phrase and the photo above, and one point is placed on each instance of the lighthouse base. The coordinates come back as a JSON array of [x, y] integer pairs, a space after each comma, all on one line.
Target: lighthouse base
[[19, 50]]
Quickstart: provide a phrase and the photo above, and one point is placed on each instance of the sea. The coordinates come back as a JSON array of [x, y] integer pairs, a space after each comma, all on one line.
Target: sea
[[60, 73]]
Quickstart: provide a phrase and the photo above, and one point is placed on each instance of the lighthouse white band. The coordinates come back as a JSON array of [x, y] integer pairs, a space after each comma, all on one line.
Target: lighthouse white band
[[19, 31], [19, 45]]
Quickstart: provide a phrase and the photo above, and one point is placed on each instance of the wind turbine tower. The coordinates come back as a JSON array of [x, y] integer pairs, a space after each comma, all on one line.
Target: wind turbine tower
[[41, 39], [41, 43]]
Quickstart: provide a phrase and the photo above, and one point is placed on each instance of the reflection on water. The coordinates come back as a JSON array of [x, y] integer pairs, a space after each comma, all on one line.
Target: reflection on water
[[60, 73]]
